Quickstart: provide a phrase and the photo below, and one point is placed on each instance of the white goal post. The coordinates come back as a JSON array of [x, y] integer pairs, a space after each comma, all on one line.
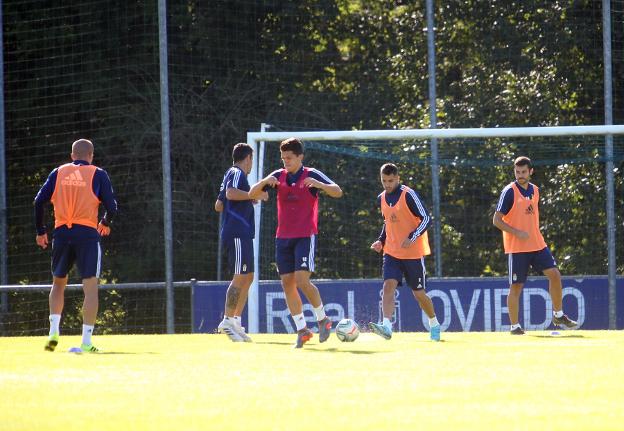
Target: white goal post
[[257, 141]]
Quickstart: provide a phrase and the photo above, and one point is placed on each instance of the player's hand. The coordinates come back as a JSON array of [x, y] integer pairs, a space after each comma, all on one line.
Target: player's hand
[[271, 181], [312, 182], [103, 230], [218, 205], [406, 243], [42, 240], [377, 246], [264, 196], [522, 234]]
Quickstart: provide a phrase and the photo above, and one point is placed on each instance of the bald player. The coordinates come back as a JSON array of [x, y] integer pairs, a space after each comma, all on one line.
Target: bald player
[[76, 190]]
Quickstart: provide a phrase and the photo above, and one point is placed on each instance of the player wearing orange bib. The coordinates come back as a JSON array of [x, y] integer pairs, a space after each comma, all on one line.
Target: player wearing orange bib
[[405, 244], [517, 216], [76, 190]]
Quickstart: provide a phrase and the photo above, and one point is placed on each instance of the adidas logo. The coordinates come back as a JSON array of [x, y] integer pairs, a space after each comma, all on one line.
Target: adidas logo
[[74, 179], [304, 265]]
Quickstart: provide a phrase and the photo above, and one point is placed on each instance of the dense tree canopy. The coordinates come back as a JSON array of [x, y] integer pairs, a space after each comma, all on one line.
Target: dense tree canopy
[[91, 70]]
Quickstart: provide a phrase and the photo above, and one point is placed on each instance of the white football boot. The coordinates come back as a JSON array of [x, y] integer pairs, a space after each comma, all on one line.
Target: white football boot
[[230, 328]]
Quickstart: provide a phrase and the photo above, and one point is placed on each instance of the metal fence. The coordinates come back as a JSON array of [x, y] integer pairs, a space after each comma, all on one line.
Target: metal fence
[[96, 69]]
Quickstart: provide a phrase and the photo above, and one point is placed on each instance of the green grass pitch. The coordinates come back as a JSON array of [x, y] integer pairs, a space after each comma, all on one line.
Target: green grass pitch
[[469, 381]]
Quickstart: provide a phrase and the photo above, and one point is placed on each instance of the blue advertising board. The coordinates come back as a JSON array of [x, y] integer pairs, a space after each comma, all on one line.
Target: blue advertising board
[[461, 304]]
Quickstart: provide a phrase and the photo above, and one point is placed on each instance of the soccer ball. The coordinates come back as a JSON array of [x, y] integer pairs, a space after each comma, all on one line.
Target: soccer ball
[[347, 330]]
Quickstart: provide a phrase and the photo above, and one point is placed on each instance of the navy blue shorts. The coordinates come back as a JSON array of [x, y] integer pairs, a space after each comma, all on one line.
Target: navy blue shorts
[[412, 269], [240, 254], [295, 254], [519, 264], [80, 245]]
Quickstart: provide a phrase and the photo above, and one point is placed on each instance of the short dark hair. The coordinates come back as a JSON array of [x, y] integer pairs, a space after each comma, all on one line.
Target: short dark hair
[[292, 144], [523, 161], [389, 169], [240, 152]]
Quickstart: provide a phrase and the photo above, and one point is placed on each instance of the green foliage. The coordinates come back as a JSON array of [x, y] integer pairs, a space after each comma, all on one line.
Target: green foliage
[[92, 70]]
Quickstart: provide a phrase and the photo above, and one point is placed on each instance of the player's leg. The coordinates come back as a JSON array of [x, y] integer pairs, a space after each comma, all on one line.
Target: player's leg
[[555, 288], [305, 249], [311, 292], [293, 300], [243, 280], [57, 295], [513, 305], [89, 312], [384, 328], [545, 262], [392, 277], [285, 258], [56, 301], [243, 274], [302, 280], [518, 264], [388, 301], [233, 294], [62, 260], [88, 260], [416, 278]]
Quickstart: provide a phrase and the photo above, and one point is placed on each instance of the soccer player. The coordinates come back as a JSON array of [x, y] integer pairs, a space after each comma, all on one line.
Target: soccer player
[[404, 243], [298, 189], [517, 216], [75, 190], [237, 233]]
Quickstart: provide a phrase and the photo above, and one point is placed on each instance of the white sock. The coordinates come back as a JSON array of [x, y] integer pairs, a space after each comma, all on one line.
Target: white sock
[[558, 313], [55, 321], [87, 330], [517, 325], [433, 321], [238, 320], [319, 312], [299, 321], [387, 323]]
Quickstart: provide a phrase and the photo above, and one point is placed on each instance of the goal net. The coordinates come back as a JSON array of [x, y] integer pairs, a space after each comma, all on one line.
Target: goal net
[[473, 165], [569, 170]]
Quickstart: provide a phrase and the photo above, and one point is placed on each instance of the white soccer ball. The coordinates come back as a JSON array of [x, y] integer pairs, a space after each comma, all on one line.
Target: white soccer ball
[[347, 330]]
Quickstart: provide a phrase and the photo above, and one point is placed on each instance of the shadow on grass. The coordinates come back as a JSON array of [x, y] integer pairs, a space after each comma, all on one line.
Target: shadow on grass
[[337, 350], [559, 336], [114, 353], [282, 343]]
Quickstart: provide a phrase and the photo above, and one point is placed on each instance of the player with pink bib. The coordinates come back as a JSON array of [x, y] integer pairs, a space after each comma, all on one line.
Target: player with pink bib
[[298, 189]]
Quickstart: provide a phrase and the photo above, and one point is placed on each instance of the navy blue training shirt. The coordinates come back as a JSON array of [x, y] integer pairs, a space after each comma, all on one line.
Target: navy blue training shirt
[[414, 204], [102, 188], [238, 216]]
